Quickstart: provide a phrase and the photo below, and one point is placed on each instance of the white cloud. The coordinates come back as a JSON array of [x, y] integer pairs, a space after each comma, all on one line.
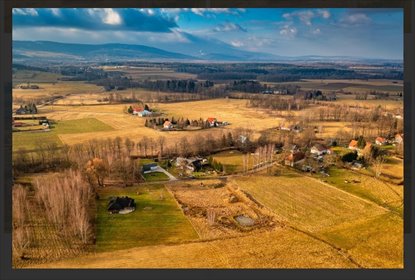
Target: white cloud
[[288, 31], [324, 13], [210, 11], [55, 11], [316, 31], [25, 12], [306, 16], [259, 41], [237, 43], [229, 26], [111, 17], [149, 12], [355, 19]]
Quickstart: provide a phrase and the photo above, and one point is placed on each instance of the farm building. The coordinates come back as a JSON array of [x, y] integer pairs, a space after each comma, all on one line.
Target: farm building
[[294, 158], [353, 145], [212, 121], [121, 205], [320, 149], [144, 113], [137, 110], [380, 141], [167, 125], [399, 138], [21, 111], [193, 164], [147, 168]]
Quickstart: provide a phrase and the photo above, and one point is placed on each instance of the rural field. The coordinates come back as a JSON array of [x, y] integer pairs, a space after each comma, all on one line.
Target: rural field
[[207, 139], [326, 221]]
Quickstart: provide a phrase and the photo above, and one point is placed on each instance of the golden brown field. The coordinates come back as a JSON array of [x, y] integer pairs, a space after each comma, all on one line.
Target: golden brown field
[[282, 248], [231, 110], [54, 89], [304, 222], [302, 201]]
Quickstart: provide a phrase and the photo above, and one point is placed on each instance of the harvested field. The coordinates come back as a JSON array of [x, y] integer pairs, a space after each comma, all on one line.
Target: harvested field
[[376, 242], [386, 194], [32, 139], [301, 201], [233, 111], [393, 167], [47, 90], [282, 248]]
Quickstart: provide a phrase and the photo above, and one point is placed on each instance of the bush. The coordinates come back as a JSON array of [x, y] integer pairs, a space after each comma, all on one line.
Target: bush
[[349, 157]]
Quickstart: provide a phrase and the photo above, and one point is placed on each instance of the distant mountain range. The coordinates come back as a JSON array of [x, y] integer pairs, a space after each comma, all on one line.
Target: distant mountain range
[[199, 50]]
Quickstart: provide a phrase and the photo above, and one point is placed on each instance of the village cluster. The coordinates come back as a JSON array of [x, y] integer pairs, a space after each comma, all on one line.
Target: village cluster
[[359, 153], [166, 124]]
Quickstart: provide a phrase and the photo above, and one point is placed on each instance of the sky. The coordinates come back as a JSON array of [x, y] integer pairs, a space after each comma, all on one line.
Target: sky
[[365, 33]]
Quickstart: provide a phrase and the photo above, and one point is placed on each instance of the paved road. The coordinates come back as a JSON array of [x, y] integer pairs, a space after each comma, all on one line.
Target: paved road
[[161, 169]]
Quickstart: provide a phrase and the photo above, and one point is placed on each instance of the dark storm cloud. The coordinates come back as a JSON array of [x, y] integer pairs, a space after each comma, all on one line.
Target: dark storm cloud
[[93, 19]]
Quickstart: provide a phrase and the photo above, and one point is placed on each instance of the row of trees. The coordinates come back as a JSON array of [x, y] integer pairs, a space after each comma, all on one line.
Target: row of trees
[[185, 86], [66, 203], [275, 102]]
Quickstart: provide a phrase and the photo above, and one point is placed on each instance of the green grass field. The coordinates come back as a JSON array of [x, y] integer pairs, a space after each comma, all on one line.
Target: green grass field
[[156, 220], [31, 140], [155, 176]]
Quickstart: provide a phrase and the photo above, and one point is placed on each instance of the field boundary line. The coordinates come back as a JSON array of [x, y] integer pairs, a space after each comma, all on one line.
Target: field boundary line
[[309, 234], [181, 210]]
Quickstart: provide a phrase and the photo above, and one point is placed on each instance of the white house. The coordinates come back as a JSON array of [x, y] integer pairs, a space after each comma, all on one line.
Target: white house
[[319, 150], [167, 125], [144, 113]]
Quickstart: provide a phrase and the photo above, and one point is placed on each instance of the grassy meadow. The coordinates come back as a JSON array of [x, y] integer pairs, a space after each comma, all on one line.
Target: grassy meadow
[[156, 220]]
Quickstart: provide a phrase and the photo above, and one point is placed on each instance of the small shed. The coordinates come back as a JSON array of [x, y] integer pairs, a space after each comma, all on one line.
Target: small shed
[[121, 205], [149, 167]]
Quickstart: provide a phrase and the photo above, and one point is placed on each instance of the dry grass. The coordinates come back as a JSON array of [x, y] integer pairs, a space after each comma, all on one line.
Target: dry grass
[[393, 167], [197, 200], [54, 89], [376, 242], [387, 104], [306, 203], [233, 161], [383, 193], [233, 111], [280, 248]]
